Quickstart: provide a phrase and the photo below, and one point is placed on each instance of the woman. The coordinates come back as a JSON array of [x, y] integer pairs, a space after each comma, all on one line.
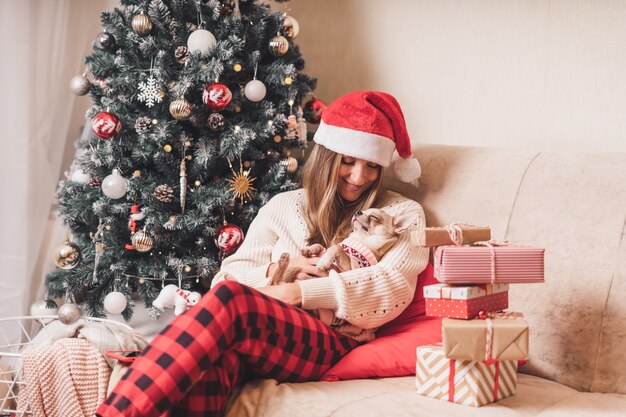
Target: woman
[[242, 327]]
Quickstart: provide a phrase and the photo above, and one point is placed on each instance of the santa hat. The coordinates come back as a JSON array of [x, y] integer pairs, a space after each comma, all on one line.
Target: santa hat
[[369, 125]]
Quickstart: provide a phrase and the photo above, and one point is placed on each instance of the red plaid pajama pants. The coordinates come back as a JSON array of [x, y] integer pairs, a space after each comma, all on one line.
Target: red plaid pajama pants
[[234, 332]]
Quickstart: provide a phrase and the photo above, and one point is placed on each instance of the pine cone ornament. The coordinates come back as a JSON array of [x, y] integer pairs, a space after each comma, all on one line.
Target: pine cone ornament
[[95, 182], [181, 53], [164, 193], [143, 124]]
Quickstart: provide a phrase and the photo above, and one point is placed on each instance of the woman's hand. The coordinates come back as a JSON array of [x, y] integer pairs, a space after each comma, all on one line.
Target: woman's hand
[[287, 293]]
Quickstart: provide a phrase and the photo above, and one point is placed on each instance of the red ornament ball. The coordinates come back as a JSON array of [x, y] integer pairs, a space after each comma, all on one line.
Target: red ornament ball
[[106, 125], [229, 238], [313, 110], [482, 314], [216, 96]]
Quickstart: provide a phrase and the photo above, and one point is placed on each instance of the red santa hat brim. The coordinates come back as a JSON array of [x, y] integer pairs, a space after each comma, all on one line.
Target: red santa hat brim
[[355, 143]]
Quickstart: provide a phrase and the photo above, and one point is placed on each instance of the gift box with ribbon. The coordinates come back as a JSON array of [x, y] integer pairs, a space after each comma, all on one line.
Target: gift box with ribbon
[[498, 336], [453, 234], [465, 302], [473, 383], [489, 263]]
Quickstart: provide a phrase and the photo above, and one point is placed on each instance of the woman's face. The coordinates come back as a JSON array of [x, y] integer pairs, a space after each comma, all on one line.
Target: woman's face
[[355, 177]]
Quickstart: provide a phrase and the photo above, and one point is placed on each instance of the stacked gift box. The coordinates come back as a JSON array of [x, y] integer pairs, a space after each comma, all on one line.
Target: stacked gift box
[[477, 362]]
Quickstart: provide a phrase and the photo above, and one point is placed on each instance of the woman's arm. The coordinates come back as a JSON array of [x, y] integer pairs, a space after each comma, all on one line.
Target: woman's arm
[[370, 297]]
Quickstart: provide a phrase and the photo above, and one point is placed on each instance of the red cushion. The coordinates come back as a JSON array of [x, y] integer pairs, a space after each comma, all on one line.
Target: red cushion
[[392, 353]]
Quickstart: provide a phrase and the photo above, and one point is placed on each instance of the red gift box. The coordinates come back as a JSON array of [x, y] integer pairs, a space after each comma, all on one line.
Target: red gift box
[[493, 263], [465, 302]]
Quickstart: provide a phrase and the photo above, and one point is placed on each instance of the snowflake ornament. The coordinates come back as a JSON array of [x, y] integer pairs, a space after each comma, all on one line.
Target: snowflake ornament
[[149, 92]]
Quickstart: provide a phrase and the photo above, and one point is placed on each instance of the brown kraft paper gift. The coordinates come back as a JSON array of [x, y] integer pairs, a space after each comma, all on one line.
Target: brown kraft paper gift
[[467, 339], [438, 236]]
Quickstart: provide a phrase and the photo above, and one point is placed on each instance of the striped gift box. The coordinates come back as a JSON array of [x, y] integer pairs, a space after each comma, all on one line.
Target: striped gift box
[[472, 383], [473, 264]]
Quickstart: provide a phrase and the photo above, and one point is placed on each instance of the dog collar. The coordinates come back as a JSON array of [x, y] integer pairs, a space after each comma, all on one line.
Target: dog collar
[[360, 255]]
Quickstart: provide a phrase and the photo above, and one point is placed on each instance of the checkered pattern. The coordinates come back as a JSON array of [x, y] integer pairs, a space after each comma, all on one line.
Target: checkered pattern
[[195, 363]]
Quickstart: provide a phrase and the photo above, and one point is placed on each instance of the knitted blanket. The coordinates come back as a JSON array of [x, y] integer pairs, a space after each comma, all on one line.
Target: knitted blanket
[[68, 378]]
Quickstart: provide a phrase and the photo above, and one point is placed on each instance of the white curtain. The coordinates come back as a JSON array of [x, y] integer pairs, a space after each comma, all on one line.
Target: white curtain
[[43, 47]]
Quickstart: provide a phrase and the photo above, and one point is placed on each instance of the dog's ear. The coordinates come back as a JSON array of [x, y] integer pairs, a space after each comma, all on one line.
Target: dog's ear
[[402, 222]]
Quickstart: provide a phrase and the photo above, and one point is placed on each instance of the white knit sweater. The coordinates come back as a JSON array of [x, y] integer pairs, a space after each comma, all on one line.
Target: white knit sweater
[[366, 297]]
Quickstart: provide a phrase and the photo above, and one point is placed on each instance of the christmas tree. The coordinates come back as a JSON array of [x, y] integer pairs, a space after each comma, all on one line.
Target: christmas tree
[[196, 120]]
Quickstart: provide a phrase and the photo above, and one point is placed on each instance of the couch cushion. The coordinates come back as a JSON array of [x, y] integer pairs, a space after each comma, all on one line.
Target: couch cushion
[[573, 207], [468, 185], [398, 397]]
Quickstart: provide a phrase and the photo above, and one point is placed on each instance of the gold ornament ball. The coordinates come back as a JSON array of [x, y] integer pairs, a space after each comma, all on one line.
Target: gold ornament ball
[[247, 164], [155, 121], [288, 80], [237, 67], [137, 173], [291, 27], [142, 241], [69, 313], [291, 164], [279, 45], [141, 24], [67, 255], [141, 280], [187, 268], [180, 109], [189, 157], [172, 218], [277, 138], [187, 143], [167, 148], [197, 183], [237, 109]]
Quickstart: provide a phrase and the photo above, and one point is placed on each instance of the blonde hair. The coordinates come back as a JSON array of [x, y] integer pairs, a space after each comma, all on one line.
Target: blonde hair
[[328, 217]]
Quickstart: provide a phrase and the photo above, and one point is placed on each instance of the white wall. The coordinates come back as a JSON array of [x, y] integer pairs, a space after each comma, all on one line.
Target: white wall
[[538, 74]]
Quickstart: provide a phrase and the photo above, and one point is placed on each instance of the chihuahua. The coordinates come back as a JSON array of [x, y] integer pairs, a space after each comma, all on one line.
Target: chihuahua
[[374, 232]]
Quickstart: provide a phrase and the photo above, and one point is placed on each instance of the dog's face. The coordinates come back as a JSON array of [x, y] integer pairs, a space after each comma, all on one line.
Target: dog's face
[[377, 229]]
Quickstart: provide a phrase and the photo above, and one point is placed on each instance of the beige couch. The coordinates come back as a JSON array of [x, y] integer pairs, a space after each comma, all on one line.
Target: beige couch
[[575, 207]]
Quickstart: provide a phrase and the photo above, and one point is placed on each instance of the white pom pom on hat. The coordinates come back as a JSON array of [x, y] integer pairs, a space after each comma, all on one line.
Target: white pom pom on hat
[[369, 125]]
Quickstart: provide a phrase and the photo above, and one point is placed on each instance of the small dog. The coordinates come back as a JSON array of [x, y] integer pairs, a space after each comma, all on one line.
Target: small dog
[[374, 232]]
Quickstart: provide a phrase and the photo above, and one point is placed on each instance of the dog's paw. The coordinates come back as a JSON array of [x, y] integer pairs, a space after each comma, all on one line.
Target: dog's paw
[[283, 263], [325, 263], [313, 250]]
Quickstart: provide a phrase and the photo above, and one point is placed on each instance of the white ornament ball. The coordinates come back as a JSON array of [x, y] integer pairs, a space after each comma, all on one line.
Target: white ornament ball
[[80, 85], [80, 176], [201, 40], [114, 186], [69, 313], [291, 27], [115, 302], [40, 308], [255, 91]]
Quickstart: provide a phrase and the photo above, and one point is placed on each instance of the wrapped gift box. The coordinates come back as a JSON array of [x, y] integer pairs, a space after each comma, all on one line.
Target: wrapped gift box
[[465, 302], [437, 236], [472, 383], [473, 264], [470, 339]]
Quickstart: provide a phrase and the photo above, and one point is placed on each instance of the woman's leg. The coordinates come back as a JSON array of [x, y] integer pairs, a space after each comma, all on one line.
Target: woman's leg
[[273, 339]]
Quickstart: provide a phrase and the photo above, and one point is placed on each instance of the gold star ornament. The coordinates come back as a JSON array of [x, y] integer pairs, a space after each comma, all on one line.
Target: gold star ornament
[[241, 184]]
